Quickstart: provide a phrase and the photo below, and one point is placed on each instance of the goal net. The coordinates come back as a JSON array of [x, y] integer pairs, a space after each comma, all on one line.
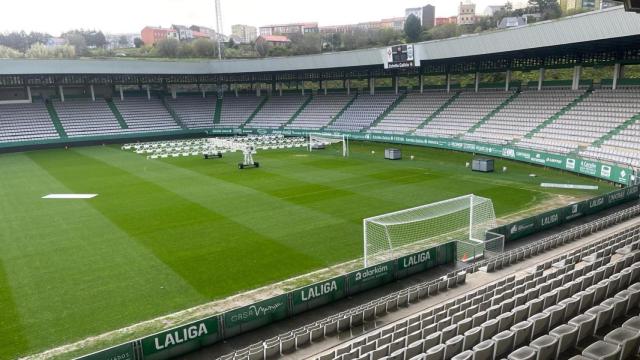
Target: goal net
[[399, 233], [322, 141]]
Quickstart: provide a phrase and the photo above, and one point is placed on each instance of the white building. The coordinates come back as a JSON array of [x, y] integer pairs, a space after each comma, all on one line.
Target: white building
[[466, 13]]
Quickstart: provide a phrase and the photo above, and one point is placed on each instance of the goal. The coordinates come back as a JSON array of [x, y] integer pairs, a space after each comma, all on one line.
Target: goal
[[320, 141], [395, 234]]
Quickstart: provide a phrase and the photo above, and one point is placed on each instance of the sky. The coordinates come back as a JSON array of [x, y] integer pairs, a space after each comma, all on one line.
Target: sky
[[130, 16]]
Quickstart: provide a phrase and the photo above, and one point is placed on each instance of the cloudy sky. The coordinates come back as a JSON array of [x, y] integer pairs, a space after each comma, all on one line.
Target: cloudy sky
[[130, 16]]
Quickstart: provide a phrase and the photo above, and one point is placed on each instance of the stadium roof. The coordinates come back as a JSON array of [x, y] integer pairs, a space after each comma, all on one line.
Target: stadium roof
[[614, 25]]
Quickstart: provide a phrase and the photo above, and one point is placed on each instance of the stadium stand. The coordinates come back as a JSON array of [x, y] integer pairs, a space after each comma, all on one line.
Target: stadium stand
[[585, 301], [320, 111], [521, 116], [411, 112], [600, 124], [26, 122], [143, 115], [277, 111], [592, 118], [195, 112], [84, 117], [236, 110], [467, 110], [363, 112]]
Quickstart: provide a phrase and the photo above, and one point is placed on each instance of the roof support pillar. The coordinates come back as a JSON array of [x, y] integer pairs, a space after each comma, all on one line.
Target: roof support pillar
[[541, 78], [280, 88], [507, 81], [395, 84], [348, 86], [61, 91], [448, 82], [477, 85], [174, 93], [324, 84], [617, 69], [302, 88], [235, 89], [421, 81], [273, 86], [121, 94], [148, 92], [258, 89], [29, 93], [577, 72], [372, 86]]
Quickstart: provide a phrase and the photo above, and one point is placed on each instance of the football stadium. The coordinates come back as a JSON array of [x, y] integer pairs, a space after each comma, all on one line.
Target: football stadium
[[348, 205]]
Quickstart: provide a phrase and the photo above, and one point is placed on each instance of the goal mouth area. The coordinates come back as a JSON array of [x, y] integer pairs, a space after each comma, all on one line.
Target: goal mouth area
[[466, 218]]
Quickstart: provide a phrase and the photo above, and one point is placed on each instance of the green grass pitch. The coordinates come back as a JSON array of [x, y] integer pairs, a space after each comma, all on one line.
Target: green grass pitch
[[165, 235]]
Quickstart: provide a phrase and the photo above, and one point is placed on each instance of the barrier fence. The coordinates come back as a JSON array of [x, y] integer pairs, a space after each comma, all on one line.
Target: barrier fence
[[614, 173], [549, 219], [187, 338]]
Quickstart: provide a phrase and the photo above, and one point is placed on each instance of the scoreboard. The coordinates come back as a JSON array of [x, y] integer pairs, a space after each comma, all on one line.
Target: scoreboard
[[400, 56]]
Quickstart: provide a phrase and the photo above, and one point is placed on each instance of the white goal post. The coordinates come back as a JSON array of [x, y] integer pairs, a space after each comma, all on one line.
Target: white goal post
[[322, 140], [391, 235]]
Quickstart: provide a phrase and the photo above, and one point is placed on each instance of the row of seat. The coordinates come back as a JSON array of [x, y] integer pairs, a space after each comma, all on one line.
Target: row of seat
[[315, 332]]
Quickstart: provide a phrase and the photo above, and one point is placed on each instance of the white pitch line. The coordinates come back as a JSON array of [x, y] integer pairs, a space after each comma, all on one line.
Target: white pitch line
[[69, 196]]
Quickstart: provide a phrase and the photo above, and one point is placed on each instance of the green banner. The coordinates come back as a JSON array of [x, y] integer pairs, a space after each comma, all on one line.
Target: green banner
[[318, 294], [370, 277], [257, 314], [550, 219], [416, 262], [120, 352], [595, 205], [188, 337], [573, 211], [617, 174], [521, 228]]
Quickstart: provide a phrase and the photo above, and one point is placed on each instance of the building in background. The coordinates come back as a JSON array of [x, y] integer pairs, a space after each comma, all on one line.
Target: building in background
[[446, 20], [56, 41], [466, 13], [203, 32], [245, 33], [184, 33], [276, 40], [608, 3], [151, 35], [492, 10], [510, 22], [120, 41], [396, 23], [568, 6], [426, 14], [288, 29]]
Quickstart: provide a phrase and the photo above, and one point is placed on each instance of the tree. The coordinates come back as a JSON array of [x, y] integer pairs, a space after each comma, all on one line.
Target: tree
[[204, 48], [78, 42], [123, 41], [167, 47], [185, 50], [138, 43], [263, 47], [443, 31], [22, 41], [9, 53], [39, 51], [412, 28], [549, 9], [307, 44]]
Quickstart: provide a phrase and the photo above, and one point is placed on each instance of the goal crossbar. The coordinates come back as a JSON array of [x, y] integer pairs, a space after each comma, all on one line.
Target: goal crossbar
[[466, 217]]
